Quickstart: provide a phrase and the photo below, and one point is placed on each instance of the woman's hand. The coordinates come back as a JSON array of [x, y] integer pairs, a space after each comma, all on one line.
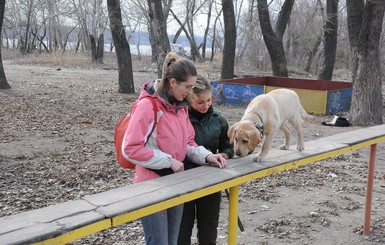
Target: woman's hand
[[225, 156], [176, 166], [216, 159]]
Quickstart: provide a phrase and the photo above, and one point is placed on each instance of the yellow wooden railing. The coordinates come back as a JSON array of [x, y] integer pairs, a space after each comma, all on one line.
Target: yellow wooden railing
[[72, 220]]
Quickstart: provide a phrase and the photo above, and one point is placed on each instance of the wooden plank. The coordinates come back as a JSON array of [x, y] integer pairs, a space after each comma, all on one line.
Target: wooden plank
[[73, 235], [74, 219], [43, 215], [28, 235], [200, 178]]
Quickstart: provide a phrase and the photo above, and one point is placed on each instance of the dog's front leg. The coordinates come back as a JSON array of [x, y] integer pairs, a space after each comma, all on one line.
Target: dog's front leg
[[286, 131], [265, 147]]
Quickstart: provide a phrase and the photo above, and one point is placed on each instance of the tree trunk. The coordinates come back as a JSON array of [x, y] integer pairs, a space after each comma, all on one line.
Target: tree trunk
[[97, 48], [24, 48], [330, 41], [93, 47], [230, 36], [100, 49], [158, 30], [207, 28], [366, 106], [214, 37], [355, 11], [312, 54], [192, 8], [97, 36], [3, 80], [122, 48], [273, 40], [83, 42]]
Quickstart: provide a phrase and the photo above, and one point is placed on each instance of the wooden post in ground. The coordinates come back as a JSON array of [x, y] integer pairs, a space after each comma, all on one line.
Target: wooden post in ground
[[369, 189]]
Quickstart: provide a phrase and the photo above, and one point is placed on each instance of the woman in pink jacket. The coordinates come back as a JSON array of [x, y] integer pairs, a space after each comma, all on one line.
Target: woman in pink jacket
[[171, 141]]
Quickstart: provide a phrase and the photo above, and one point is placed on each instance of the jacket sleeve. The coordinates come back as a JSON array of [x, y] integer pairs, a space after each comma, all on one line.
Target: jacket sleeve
[[195, 153], [224, 141], [134, 142]]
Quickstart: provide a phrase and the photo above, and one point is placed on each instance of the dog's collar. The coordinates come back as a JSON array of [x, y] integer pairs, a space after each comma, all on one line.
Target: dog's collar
[[260, 118], [260, 128]]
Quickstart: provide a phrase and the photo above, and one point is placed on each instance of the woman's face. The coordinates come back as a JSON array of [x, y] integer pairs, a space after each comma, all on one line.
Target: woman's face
[[203, 101], [181, 89]]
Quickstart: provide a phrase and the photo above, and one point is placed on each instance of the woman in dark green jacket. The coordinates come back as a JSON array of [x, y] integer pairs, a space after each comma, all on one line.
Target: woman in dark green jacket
[[211, 132]]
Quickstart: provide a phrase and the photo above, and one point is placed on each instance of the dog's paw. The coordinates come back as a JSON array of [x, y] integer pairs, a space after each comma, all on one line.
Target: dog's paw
[[258, 158], [300, 147], [284, 147]]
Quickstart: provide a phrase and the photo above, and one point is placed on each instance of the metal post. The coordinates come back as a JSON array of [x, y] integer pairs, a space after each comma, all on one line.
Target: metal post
[[233, 216], [369, 188]]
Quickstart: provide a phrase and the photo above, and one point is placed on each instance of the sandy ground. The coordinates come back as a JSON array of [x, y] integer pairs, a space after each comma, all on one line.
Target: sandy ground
[[56, 144]]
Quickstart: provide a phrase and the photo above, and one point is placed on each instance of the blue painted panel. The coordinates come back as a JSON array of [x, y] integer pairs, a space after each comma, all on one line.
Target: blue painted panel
[[240, 94], [338, 100]]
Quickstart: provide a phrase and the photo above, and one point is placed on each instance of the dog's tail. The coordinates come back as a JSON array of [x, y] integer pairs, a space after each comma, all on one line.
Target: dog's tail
[[306, 116]]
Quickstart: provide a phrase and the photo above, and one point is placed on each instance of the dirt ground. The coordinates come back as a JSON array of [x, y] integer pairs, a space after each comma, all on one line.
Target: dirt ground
[[56, 144]]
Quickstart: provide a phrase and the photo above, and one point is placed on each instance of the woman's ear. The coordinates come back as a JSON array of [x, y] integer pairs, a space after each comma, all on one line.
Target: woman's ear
[[172, 82]]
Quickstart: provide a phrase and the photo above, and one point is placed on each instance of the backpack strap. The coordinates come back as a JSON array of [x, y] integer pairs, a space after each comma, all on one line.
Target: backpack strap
[[164, 171], [155, 108]]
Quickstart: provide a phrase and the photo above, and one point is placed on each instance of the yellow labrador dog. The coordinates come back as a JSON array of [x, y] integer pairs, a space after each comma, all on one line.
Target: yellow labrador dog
[[264, 115]]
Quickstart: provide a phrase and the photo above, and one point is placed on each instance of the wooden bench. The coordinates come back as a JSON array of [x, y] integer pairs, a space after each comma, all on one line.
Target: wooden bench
[[69, 221]]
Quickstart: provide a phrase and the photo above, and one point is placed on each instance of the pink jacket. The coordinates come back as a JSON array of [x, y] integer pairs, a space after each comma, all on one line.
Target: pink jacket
[[173, 137]]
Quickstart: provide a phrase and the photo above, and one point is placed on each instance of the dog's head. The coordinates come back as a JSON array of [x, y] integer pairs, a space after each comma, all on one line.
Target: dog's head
[[245, 137]]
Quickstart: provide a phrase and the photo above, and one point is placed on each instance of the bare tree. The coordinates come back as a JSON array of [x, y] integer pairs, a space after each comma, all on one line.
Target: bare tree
[[355, 12], [214, 36], [158, 33], [311, 53], [330, 40], [122, 48], [24, 47], [83, 41], [366, 105], [273, 39], [314, 41], [134, 14], [246, 30], [187, 26], [3, 80], [97, 33], [207, 28], [57, 12], [39, 24], [230, 36], [12, 22]]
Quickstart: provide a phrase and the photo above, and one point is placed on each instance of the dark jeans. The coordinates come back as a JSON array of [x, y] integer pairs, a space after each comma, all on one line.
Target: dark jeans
[[206, 210]]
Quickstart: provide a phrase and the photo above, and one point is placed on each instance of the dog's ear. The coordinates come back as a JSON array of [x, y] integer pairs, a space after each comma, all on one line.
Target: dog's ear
[[254, 138], [231, 133]]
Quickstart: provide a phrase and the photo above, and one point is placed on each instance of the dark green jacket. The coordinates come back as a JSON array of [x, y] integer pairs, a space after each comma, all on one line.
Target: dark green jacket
[[211, 132]]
